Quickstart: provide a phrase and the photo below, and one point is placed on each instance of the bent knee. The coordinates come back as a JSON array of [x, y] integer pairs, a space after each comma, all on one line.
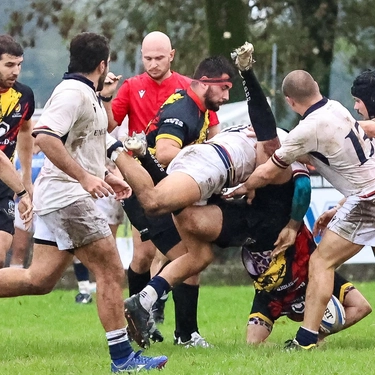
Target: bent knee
[[39, 287]]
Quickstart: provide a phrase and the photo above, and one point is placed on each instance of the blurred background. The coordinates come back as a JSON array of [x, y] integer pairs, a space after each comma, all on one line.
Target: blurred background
[[332, 39]]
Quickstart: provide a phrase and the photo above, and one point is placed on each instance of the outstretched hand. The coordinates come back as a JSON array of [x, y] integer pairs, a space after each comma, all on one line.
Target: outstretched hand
[[119, 186], [241, 191], [286, 238], [322, 221], [25, 208], [110, 84], [97, 187]]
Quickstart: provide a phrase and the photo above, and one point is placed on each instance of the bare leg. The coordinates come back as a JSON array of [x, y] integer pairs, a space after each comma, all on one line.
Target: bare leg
[[198, 227], [20, 247], [103, 260], [47, 267], [176, 191], [331, 252], [356, 307], [5, 243], [256, 334]]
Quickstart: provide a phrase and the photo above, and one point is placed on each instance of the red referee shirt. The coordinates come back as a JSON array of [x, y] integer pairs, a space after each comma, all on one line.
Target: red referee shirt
[[140, 97]]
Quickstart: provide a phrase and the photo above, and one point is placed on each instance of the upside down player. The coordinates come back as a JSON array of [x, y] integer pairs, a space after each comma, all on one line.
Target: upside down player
[[280, 276]]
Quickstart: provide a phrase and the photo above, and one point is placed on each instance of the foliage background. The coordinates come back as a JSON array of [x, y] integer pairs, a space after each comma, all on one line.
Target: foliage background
[[333, 39]]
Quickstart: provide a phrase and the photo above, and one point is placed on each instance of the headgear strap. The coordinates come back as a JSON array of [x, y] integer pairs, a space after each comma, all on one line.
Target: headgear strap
[[215, 81]]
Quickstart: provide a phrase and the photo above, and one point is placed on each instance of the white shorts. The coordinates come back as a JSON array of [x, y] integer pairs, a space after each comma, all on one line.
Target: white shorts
[[355, 220], [111, 209], [74, 226], [203, 164]]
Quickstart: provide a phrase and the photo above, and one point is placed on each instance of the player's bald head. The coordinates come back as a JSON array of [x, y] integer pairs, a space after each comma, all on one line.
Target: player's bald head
[[300, 86], [156, 40]]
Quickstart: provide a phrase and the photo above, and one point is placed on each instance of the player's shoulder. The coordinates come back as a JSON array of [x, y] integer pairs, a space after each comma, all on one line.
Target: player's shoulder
[[178, 104], [181, 78], [22, 88]]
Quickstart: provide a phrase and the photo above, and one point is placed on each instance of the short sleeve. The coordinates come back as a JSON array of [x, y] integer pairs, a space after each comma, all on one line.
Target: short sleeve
[[60, 113]]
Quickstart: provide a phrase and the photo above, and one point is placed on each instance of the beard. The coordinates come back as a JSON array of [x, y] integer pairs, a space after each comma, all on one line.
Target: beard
[[209, 103], [101, 82]]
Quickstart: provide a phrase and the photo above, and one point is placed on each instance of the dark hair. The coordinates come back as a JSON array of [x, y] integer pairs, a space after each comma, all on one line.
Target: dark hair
[[87, 50], [215, 67], [364, 88], [10, 46]]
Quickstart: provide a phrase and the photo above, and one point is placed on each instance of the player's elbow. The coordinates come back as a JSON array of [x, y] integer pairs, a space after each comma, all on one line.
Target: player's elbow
[[152, 207]]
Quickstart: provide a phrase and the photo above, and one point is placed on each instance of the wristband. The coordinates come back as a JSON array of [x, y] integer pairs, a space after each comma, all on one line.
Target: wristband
[[21, 193], [105, 99]]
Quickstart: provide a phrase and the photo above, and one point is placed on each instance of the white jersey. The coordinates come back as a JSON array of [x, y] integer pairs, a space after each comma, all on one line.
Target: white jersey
[[74, 114], [335, 146], [241, 149], [225, 161]]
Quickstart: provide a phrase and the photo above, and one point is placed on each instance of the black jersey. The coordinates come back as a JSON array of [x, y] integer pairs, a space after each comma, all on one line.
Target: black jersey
[[16, 106], [181, 118]]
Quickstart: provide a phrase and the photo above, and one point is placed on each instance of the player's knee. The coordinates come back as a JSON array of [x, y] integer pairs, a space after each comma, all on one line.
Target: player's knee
[[206, 259], [364, 309], [40, 287]]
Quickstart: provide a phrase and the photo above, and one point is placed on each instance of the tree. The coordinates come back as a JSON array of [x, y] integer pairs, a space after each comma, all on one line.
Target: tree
[[227, 29], [306, 32]]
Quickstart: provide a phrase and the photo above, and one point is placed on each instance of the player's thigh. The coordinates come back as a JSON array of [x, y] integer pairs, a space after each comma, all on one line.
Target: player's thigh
[[48, 264], [333, 250], [203, 222], [177, 190], [101, 257]]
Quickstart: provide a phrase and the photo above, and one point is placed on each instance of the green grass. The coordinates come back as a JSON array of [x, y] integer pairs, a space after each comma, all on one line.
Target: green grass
[[53, 335]]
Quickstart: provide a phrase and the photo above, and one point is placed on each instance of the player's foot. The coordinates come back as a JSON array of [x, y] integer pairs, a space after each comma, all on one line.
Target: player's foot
[[295, 345], [153, 333], [138, 319], [137, 362], [83, 298], [158, 311], [243, 56], [196, 341], [137, 144]]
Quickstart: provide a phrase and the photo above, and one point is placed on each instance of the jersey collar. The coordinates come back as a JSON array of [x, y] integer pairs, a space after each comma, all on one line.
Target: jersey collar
[[196, 99], [79, 77], [315, 106]]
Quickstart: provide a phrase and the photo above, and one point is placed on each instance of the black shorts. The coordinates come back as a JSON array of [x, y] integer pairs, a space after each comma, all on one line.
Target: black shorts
[[161, 229], [7, 215], [258, 223]]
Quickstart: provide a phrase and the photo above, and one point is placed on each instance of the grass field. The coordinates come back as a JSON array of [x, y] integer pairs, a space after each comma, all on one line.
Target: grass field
[[53, 335]]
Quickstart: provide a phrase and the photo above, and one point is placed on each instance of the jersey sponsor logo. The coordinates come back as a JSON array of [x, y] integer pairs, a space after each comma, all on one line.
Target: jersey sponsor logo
[[100, 132], [141, 93], [17, 111], [175, 121]]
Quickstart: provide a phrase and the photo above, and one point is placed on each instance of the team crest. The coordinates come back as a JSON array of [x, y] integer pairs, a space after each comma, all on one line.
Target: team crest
[[141, 93]]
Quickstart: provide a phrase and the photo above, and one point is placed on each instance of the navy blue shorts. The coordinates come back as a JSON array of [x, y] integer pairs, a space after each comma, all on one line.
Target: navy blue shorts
[[161, 229], [7, 215]]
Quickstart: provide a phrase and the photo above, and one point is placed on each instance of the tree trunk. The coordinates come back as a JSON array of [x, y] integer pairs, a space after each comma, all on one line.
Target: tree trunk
[[227, 29]]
